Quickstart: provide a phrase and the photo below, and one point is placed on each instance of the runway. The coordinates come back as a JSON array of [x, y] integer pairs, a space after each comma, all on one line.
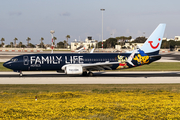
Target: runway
[[98, 78]]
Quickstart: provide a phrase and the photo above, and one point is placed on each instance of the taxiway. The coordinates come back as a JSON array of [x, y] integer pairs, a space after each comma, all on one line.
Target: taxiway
[[98, 78]]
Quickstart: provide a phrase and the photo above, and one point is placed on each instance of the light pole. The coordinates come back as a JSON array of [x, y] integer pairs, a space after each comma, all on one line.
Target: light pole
[[102, 25], [52, 45]]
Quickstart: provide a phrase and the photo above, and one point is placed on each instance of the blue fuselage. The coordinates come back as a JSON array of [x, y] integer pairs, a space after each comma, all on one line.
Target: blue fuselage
[[36, 62]]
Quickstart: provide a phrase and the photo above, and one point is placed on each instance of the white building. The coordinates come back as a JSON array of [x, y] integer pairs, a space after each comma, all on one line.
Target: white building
[[177, 38], [89, 42]]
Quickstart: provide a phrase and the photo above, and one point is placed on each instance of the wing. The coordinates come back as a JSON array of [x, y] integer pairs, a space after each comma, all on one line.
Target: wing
[[99, 66], [93, 66]]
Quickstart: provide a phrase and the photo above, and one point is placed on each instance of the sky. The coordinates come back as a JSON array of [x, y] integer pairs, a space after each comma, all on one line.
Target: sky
[[82, 18]]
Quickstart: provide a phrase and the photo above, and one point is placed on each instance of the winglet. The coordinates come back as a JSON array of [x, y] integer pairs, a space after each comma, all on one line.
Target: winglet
[[129, 60], [92, 50], [83, 48]]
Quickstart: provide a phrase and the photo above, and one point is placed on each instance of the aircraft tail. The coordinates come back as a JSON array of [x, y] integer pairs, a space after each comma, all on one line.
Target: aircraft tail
[[153, 43]]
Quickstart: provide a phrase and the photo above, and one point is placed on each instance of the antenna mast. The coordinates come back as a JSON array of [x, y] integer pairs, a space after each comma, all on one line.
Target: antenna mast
[[52, 44]]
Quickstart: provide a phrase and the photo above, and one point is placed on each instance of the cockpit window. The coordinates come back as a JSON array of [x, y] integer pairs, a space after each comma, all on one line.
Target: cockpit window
[[14, 59]]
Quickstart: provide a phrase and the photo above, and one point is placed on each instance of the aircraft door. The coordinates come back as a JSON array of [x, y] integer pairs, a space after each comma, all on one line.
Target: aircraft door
[[26, 60]]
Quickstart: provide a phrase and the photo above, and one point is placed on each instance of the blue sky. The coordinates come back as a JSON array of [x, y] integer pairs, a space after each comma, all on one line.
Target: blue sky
[[82, 18]]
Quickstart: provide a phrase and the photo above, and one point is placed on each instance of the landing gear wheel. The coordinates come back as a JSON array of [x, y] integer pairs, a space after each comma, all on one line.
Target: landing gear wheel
[[85, 73], [20, 74], [90, 74]]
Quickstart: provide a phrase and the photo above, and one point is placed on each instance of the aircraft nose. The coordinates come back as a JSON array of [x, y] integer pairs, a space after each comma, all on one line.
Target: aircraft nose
[[7, 64]]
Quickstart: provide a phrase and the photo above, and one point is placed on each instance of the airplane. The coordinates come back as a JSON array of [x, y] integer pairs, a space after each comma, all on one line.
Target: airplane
[[85, 63]]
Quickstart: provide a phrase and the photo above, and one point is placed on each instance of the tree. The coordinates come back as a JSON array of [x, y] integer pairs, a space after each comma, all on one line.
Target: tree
[[54, 38], [111, 42], [60, 45], [65, 43], [92, 45], [100, 44], [11, 43], [140, 40], [15, 39], [123, 39], [31, 45], [2, 40], [68, 36], [42, 45], [41, 42], [20, 44], [172, 44], [129, 38], [28, 39], [165, 44]]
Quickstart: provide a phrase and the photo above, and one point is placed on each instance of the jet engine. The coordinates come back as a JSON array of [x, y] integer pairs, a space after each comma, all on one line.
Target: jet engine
[[73, 69]]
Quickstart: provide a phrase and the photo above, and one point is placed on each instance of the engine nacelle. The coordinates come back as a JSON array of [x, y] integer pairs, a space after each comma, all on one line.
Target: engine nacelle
[[74, 69]]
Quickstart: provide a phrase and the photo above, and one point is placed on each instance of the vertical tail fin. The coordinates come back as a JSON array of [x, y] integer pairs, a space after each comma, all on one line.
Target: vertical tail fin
[[153, 43]]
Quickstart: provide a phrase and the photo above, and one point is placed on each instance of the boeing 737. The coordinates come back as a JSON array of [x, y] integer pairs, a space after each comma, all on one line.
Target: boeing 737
[[85, 63]]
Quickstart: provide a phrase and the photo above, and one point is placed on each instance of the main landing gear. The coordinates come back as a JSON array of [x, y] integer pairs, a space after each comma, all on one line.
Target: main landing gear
[[90, 74], [87, 73]]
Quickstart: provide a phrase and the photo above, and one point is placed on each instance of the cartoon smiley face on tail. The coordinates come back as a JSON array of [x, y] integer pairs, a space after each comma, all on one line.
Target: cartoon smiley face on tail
[[154, 47]]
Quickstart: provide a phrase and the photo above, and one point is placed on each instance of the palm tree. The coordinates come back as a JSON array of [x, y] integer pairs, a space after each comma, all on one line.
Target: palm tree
[[20, 44], [68, 36], [28, 39], [41, 42], [11, 43], [15, 39], [64, 43], [54, 38], [2, 39]]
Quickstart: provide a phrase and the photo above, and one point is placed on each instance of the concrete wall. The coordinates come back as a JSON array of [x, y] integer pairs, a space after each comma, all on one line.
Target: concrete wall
[[21, 49]]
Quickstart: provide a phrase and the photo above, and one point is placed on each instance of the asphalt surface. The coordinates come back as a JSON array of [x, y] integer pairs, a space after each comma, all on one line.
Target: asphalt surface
[[95, 74], [98, 78]]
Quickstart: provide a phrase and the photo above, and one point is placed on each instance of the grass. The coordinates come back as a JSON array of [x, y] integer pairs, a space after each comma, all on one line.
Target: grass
[[130, 105], [95, 88], [2, 68], [155, 66]]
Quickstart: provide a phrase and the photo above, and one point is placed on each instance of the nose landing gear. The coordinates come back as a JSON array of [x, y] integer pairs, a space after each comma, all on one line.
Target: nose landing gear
[[20, 73]]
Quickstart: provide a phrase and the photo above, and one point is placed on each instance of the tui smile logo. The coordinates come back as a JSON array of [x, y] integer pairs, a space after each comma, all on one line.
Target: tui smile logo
[[154, 47]]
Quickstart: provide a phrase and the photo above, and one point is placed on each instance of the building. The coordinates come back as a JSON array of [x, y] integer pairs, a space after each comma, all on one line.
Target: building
[[177, 38], [128, 46], [88, 43]]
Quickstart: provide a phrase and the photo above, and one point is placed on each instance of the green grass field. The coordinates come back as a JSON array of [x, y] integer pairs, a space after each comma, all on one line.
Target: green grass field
[[156, 66], [2, 68], [97, 88]]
